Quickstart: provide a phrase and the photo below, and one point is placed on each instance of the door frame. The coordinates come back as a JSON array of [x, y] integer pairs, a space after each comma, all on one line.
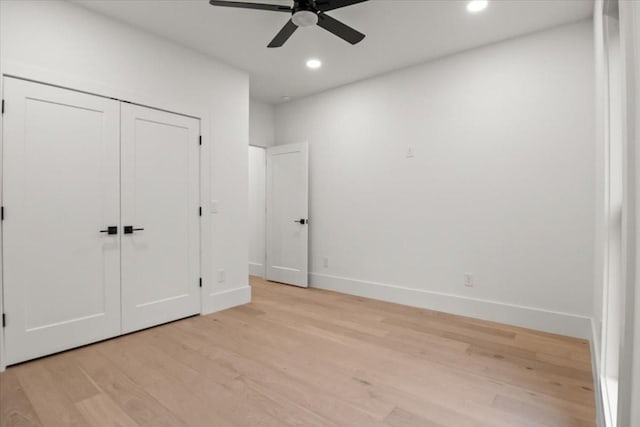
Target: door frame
[[78, 84], [263, 214]]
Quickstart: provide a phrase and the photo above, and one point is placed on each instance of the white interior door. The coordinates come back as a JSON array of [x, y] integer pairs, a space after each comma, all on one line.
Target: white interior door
[[60, 188], [160, 202], [287, 214]]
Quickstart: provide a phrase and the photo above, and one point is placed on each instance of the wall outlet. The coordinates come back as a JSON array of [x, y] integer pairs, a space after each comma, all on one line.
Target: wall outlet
[[221, 276], [325, 262], [468, 280]]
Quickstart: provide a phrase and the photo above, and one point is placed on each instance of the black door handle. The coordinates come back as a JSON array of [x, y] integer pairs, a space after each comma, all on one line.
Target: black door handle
[[302, 221], [128, 229], [112, 229]]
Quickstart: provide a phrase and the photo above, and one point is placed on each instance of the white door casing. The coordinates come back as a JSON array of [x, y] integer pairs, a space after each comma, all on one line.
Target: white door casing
[[257, 210], [287, 214], [160, 193], [60, 188]]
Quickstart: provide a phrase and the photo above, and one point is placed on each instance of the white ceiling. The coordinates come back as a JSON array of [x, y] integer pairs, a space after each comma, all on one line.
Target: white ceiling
[[399, 33]]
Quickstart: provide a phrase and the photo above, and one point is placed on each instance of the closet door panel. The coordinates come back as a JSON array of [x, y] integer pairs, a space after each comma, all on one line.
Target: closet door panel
[[160, 202], [60, 188]]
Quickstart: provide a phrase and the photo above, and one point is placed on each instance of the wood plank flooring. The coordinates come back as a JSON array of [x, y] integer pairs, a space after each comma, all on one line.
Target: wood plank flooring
[[307, 357]]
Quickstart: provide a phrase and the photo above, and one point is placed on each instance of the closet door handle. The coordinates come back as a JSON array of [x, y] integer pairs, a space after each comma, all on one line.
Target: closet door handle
[[112, 229], [128, 229]]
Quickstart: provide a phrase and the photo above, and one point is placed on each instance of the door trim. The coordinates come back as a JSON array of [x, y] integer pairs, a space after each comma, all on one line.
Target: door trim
[[263, 267], [97, 94]]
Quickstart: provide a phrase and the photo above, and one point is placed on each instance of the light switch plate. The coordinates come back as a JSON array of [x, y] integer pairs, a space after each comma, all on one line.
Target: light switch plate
[[410, 151], [468, 280]]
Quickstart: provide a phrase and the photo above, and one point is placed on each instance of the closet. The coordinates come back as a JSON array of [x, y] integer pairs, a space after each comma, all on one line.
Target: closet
[[100, 230]]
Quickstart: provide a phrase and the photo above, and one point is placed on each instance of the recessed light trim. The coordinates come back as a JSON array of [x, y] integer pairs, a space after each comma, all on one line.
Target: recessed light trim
[[475, 6], [314, 63]]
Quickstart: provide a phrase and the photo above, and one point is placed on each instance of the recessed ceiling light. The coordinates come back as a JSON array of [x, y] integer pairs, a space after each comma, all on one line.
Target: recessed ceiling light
[[314, 64], [475, 6], [286, 98]]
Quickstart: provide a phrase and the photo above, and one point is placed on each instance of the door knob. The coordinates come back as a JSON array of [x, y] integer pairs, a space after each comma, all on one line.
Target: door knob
[[128, 229], [112, 229], [302, 221]]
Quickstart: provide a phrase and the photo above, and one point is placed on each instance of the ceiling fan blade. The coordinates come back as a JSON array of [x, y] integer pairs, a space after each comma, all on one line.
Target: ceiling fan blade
[[284, 34], [341, 30], [245, 5], [326, 5]]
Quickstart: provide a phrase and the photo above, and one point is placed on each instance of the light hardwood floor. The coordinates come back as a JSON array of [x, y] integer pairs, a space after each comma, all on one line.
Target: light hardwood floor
[[306, 357]]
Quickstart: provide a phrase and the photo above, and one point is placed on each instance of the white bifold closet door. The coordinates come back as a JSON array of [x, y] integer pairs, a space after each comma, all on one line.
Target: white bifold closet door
[[160, 203], [60, 189]]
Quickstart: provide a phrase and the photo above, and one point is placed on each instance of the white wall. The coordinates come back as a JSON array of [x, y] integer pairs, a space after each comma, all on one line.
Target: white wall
[[501, 184], [261, 123], [257, 204], [61, 43]]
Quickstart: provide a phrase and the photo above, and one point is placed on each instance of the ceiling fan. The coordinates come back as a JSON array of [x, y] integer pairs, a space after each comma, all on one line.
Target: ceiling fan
[[304, 13]]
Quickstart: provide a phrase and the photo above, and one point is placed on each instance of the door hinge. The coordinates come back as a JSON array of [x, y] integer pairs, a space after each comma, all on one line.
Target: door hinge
[[3, 106], [4, 320], [200, 140], [200, 211], [201, 282], [1, 213]]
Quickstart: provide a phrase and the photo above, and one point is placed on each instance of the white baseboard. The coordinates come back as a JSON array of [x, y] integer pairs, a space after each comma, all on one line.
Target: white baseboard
[[223, 300], [527, 317], [256, 269]]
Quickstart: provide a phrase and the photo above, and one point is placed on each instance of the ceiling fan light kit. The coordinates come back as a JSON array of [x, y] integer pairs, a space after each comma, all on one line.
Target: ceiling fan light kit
[[304, 18], [304, 13]]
